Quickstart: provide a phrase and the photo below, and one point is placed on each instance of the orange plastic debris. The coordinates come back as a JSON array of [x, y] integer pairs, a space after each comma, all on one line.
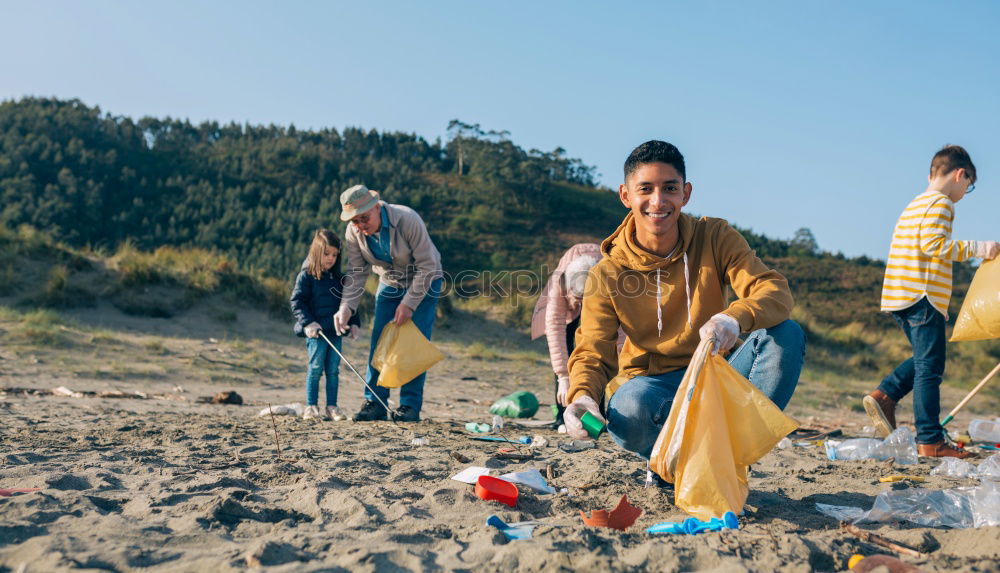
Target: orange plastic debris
[[621, 517], [9, 492]]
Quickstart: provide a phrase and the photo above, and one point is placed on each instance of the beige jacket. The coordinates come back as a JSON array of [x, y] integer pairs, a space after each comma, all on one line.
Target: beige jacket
[[416, 262], [622, 292]]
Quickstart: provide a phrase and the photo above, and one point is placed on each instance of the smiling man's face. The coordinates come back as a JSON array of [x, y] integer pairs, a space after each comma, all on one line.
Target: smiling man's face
[[655, 192]]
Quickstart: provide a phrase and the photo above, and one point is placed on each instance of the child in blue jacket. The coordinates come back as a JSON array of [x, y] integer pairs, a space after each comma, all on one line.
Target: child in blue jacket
[[314, 300]]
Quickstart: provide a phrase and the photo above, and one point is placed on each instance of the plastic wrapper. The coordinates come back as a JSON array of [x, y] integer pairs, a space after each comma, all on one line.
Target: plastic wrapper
[[294, 409], [402, 354], [954, 467], [718, 425], [979, 318], [958, 508], [900, 445], [530, 478], [520, 404], [841, 512], [989, 469]]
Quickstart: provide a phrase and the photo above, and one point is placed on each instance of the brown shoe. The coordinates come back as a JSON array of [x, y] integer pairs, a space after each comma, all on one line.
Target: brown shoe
[[882, 410], [942, 449]]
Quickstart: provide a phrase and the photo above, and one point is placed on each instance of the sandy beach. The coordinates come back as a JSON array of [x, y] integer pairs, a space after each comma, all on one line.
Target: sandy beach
[[165, 483]]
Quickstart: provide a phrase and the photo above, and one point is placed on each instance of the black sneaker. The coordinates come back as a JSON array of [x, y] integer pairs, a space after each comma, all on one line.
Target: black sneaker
[[371, 411], [406, 414]]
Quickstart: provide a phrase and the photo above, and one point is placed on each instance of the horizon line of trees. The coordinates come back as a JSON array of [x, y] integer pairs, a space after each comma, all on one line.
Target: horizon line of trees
[[258, 192]]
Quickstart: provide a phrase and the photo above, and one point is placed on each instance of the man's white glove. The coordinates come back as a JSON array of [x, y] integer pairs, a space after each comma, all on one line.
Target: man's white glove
[[340, 320], [562, 390], [574, 427], [987, 249], [312, 330], [724, 329]]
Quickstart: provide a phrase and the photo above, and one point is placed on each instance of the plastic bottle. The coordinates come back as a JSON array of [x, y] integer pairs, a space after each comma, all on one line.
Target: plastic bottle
[[900, 445], [497, 424], [985, 431], [855, 449]]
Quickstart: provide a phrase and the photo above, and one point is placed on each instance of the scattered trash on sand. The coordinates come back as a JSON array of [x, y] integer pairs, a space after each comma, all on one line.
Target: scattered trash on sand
[[470, 474], [956, 468], [489, 488], [520, 404], [577, 446], [957, 508], [64, 391], [532, 479], [900, 445], [227, 397], [512, 531], [4, 492], [694, 526], [861, 564], [621, 517], [293, 409]]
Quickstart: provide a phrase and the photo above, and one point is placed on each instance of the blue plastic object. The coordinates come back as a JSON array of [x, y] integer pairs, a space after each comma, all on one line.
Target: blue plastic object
[[693, 526], [667, 527], [511, 532], [521, 440]]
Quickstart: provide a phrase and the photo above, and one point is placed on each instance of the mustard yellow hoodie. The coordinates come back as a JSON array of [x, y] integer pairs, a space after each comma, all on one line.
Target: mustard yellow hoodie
[[622, 291]]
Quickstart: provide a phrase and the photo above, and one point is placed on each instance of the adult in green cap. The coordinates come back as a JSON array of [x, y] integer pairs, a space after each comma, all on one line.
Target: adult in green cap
[[392, 241]]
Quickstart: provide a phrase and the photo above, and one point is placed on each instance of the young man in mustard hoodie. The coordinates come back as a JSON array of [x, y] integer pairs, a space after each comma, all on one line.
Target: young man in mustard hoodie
[[662, 280]]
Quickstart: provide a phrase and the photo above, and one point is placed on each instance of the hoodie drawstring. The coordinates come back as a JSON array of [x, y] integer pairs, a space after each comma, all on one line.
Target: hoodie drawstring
[[659, 307], [687, 292]]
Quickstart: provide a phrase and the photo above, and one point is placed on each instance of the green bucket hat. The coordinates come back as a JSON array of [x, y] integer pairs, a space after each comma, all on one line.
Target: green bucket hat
[[356, 201]]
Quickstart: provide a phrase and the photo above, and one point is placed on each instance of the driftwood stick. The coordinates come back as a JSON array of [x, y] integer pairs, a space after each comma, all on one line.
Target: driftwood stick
[[877, 539], [275, 426]]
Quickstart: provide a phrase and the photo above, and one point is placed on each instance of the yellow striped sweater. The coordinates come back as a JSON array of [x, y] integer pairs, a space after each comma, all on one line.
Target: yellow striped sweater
[[921, 254]]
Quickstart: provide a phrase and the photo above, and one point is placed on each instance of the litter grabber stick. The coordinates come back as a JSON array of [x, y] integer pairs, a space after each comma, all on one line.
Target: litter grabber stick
[[360, 377], [969, 396]]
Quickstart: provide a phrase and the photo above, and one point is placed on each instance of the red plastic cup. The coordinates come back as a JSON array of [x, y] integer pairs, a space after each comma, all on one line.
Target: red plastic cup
[[495, 489]]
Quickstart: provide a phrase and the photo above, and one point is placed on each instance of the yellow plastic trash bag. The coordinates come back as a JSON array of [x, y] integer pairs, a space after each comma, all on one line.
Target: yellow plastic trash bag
[[402, 354], [718, 425], [979, 318]]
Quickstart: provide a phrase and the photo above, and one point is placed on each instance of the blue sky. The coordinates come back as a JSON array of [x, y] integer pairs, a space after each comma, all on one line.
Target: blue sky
[[791, 114]]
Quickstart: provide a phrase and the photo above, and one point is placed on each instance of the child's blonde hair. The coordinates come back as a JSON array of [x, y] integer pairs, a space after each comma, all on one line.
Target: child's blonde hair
[[322, 240]]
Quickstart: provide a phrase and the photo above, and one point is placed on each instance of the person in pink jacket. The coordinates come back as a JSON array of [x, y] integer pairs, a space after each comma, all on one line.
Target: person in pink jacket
[[557, 312]]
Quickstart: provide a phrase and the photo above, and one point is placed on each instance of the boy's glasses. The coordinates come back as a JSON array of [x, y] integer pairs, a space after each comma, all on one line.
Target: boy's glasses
[[972, 184]]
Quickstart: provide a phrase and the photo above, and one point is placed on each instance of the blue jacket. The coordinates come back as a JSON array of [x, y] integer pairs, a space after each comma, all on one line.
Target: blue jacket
[[317, 300]]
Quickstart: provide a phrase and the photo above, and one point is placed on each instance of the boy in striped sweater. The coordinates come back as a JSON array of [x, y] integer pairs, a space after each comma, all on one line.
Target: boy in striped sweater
[[917, 289]]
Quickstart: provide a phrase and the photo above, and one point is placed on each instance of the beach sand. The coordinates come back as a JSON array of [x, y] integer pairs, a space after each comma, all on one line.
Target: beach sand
[[175, 485]]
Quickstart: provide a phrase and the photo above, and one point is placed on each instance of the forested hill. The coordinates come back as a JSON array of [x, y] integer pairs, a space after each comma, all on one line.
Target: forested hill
[[258, 192]]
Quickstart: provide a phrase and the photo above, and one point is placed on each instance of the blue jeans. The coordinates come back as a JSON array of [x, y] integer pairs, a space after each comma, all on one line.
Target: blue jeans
[[924, 328], [322, 359], [387, 299], [771, 359]]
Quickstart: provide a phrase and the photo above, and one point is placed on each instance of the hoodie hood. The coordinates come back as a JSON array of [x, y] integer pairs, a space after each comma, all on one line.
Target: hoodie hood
[[622, 248]]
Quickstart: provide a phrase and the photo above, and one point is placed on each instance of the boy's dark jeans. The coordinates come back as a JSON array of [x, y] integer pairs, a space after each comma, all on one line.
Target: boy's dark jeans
[[924, 328]]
